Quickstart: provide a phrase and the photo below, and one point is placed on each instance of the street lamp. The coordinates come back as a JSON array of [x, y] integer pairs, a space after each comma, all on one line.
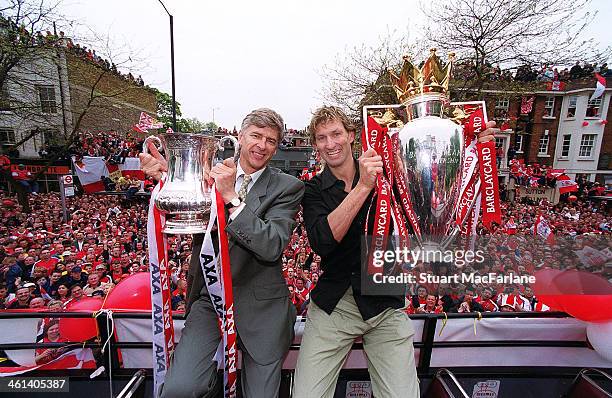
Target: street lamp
[[172, 65], [213, 113]]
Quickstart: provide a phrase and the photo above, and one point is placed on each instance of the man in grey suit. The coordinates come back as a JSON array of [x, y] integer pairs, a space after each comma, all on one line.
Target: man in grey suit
[[262, 203]]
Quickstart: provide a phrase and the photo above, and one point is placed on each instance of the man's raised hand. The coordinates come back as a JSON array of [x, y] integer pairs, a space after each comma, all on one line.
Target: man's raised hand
[[153, 163], [489, 133], [370, 165]]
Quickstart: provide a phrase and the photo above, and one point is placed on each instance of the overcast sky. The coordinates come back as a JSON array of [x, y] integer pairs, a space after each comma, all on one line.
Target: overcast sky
[[235, 56]]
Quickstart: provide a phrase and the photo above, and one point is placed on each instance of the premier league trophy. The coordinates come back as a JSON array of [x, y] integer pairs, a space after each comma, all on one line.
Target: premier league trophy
[[185, 198], [430, 149], [434, 172]]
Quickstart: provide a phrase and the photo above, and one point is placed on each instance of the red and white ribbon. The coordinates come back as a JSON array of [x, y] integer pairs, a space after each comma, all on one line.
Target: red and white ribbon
[[489, 188], [161, 298], [218, 281]]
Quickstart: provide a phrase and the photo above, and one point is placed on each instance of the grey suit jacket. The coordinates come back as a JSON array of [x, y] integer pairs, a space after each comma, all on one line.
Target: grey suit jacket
[[257, 237]]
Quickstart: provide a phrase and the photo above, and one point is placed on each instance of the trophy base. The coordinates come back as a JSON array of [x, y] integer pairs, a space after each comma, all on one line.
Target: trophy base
[[185, 224]]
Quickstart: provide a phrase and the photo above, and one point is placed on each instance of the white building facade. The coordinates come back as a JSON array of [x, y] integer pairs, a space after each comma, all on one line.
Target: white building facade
[[36, 103], [581, 133]]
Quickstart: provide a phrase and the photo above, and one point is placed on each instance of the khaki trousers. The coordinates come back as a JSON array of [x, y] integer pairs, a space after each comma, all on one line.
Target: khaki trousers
[[327, 341]]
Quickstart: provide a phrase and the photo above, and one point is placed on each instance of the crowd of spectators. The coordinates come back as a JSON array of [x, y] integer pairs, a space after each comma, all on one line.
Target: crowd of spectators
[[532, 73], [19, 36], [577, 224], [45, 262], [111, 145]]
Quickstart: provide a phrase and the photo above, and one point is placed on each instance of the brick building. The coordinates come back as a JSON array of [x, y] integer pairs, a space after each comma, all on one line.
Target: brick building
[[562, 128], [55, 94]]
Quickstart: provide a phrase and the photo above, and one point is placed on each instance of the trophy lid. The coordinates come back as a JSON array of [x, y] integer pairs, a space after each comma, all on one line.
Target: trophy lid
[[431, 79]]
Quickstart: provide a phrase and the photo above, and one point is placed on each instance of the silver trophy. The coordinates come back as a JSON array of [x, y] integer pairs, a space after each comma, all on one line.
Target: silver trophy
[[185, 197], [431, 150]]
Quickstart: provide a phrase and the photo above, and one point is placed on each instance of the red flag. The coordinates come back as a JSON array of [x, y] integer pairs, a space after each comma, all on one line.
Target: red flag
[[566, 184], [599, 87], [555, 86], [554, 172], [527, 105]]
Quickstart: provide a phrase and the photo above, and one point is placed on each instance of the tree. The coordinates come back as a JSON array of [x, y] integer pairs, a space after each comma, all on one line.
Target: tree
[[30, 60], [211, 126], [193, 125], [184, 125], [164, 109], [483, 34], [359, 77], [510, 34]]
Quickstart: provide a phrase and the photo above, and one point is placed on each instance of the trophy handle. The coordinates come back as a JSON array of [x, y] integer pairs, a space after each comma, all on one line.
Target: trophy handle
[[234, 140], [145, 147]]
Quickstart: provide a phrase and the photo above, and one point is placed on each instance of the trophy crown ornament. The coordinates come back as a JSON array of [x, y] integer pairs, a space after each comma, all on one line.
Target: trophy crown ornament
[[431, 80]]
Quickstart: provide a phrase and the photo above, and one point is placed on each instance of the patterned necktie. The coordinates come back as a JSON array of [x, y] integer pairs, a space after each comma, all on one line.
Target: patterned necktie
[[242, 192]]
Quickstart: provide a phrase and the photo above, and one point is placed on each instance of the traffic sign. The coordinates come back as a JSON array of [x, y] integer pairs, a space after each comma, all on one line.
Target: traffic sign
[[68, 180]]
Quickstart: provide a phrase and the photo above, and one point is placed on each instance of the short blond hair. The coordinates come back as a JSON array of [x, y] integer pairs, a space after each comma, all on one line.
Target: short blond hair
[[326, 114]]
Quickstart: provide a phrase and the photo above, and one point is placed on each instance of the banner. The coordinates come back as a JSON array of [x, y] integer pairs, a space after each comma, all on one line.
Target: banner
[[90, 170], [130, 168], [538, 194], [31, 330], [527, 105]]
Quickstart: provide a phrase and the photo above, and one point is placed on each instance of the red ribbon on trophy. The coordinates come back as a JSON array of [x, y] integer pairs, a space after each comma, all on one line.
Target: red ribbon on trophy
[[489, 185], [218, 279], [481, 186], [229, 326], [161, 298], [373, 137], [387, 209]]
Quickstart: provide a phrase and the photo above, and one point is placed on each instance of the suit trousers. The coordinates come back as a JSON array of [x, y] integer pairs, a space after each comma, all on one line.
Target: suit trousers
[[193, 371], [327, 341]]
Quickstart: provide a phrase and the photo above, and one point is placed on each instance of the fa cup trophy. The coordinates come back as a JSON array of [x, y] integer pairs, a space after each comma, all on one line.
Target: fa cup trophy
[[185, 198]]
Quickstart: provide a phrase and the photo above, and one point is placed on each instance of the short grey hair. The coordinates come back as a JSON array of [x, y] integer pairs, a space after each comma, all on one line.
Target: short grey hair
[[265, 117]]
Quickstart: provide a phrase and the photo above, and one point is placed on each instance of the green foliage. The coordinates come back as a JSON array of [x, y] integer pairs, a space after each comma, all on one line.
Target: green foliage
[[164, 109], [192, 125], [211, 126], [185, 125]]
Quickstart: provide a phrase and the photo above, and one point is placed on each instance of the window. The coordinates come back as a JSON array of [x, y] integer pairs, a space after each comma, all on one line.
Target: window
[[571, 107], [587, 143], [594, 107], [543, 150], [501, 108], [549, 107], [518, 143], [499, 142], [7, 136], [565, 145], [45, 137], [46, 94]]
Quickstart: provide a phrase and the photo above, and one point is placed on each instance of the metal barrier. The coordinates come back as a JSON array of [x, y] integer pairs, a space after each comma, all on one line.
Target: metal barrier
[[426, 344], [135, 387]]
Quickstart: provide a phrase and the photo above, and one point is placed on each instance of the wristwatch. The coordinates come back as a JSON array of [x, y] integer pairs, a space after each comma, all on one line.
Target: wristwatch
[[233, 203]]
